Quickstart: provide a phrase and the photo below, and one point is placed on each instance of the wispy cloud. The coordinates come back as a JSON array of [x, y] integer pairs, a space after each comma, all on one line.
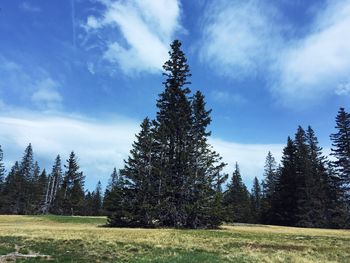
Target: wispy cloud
[[46, 95], [146, 28], [29, 84], [318, 63], [29, 7], [228, 97], [99, 145], [103, 144], [250, 157], [238, 35], [245, 38]]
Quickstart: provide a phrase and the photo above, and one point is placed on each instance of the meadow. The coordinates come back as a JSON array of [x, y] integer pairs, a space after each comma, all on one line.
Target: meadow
[[83, 239]]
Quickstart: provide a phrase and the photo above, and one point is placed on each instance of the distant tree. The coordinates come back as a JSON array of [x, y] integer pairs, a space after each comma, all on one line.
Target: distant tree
[[108, 199], [271, 177], [2, 179], [2, 169], [34, 195], [26, 173], [256, 197], [72, 190], [236, 200], [11, 191], [54, 197], [96, 202]]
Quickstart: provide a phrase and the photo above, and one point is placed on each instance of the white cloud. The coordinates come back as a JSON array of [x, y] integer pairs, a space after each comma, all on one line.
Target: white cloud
[[99, 145], [318, 64], [46, 95], [228, 97], [102, 145], [242, 38], [250, 157], [147, 28], [29, 83], [343, 89], [238, 37], [29, 7]]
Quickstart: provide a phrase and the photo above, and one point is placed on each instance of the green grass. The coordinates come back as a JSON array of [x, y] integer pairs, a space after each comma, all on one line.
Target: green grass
[[79, 239]]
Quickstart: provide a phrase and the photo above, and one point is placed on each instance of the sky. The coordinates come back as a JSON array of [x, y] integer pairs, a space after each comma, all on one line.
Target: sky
[[82, 74]]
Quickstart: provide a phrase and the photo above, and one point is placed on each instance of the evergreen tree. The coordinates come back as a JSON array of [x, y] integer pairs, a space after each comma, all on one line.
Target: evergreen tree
[[2, 179], [271, 177], [11, 192], [139, 172], [34, 197], [204, 181], [173, 126], [284, 201], [341, 149], [54, 197], [236, 200], [2, 169], [25, 181], [108, 199], [96, 202], [72, 189], [256, 196]]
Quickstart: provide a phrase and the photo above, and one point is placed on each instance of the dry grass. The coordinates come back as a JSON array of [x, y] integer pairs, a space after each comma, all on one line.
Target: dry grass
[[77, 239]]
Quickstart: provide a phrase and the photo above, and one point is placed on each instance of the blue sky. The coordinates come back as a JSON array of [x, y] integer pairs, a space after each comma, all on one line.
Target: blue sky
[[81, 75]]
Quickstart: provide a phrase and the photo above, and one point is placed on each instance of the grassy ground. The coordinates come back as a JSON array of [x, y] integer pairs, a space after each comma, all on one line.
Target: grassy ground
[[80, 239]]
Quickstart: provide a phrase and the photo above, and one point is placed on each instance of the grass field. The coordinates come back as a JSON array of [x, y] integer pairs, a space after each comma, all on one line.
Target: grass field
[[80, 239]]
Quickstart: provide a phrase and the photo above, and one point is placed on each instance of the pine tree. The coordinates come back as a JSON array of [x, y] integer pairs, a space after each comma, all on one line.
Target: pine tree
[[11, 192], [271, 177], [72, 190], [236, 200], [205, 179], [284, 201], [256, 196], [25, 179], [341, 149], [2, 179], [96, 204], [108, 200], [173, 129], [142, 188], [54, 197], [34, 197], [2, 169]]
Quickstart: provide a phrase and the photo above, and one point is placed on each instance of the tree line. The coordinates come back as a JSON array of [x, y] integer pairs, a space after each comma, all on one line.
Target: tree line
[[174, 178]]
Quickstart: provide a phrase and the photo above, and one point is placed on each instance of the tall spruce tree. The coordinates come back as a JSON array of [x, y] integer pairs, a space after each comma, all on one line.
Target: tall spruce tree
[[172, 177], [173, 130]]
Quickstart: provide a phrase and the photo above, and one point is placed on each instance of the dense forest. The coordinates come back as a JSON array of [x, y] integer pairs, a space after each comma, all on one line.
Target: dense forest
[[174, 178]]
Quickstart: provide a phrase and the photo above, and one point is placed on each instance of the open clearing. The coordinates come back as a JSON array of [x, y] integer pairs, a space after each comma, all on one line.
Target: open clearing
[[81, 239]]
